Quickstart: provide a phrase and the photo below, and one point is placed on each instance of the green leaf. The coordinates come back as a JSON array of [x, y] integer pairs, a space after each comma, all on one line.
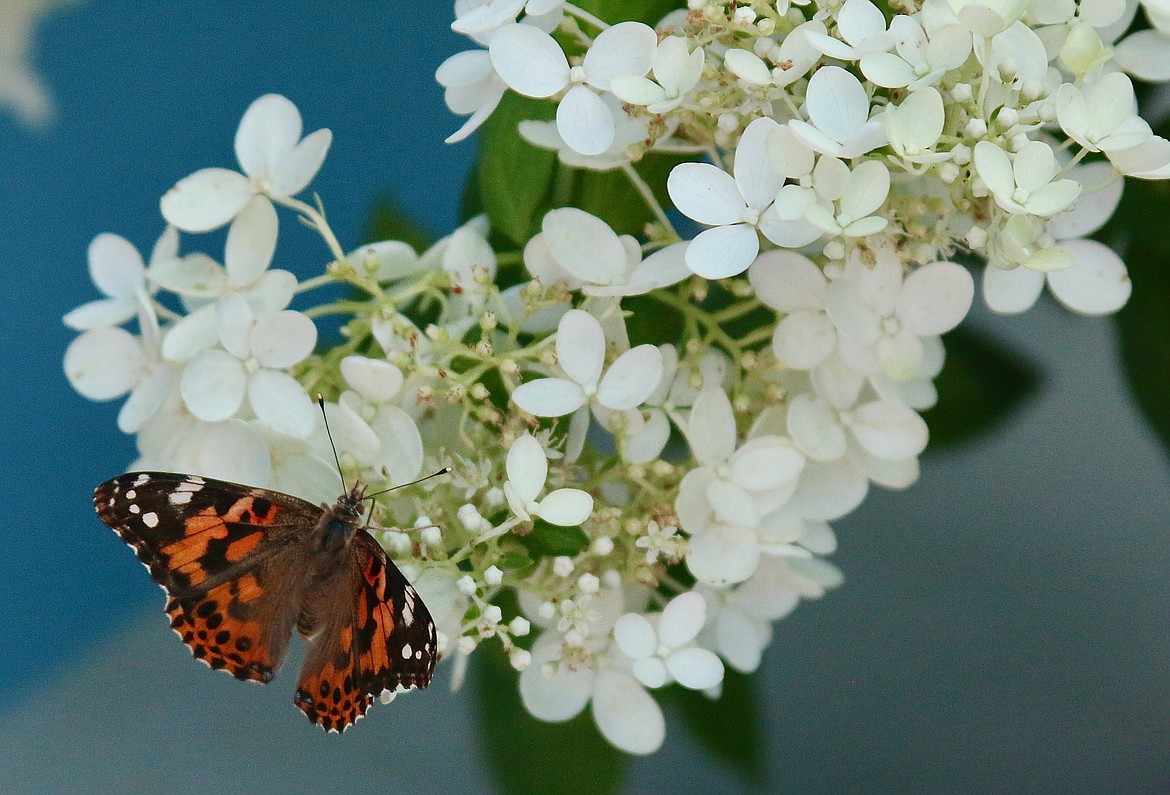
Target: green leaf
[[513, 175], [1144, 323], [391, 222], [526, 755], [980, 386], [614, 11], [731, 727], [550, 540]]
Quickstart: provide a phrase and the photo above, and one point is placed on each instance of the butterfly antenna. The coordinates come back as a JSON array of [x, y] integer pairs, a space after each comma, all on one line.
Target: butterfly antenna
[[329, 433], [443, 471]]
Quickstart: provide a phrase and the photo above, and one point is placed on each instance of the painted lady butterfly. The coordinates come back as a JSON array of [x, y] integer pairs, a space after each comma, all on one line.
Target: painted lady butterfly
[[241, 566]]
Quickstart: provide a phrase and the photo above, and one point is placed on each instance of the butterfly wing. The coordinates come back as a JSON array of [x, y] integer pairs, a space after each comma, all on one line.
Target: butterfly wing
[[370, 632], [231, 558]]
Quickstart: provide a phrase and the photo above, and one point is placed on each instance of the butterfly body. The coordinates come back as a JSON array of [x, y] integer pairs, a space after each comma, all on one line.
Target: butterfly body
[[243, 566]]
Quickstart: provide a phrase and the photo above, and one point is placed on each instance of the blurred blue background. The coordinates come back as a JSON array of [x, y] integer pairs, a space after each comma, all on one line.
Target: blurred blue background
[[1005, 624]]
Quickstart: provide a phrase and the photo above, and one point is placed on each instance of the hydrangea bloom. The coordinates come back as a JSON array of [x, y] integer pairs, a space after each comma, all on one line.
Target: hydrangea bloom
[[649, 430]]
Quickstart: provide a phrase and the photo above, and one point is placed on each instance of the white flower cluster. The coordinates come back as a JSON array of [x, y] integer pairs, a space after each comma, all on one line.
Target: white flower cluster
[[655, 507]]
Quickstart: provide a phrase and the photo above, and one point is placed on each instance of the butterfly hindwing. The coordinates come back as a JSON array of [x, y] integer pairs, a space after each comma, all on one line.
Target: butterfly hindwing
[[368, 634], [231, 558]]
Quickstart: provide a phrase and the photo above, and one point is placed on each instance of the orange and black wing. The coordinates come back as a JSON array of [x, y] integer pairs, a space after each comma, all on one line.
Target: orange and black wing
[[232, 559], [370, 633]]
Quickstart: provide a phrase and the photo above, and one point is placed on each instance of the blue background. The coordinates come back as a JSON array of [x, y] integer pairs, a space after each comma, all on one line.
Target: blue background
[[1005, 624]]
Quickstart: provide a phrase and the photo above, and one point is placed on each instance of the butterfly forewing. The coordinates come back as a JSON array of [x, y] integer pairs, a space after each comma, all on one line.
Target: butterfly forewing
[[243, 565]]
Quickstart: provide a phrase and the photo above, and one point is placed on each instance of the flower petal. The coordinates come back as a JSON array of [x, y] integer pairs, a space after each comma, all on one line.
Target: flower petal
[[695, 668], [206, 200], [283, 339], [635, 635], [251, 242], [723, 251], [585, 122], [705, 193], [281, 403], [549, 397], [527, 467], [682, 618], [104, 363], [935, 298], [631, 378], [213, 385], [723, 554], [296, 171], [268, 131], [529, 60], [566, 507], [627, 715], [560, 696]]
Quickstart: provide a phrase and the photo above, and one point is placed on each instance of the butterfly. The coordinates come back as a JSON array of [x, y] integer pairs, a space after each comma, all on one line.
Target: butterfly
[[242, 566]]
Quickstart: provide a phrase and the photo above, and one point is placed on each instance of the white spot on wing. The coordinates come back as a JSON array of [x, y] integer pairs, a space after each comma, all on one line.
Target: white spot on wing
[[180, 497], [131, 494], [150, 519], [134, 509], [406, 652], [190, 486], [143, 478]]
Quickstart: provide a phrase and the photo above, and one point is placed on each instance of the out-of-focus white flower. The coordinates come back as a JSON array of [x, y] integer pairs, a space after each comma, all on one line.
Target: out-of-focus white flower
[[117, 270], [274, 158]]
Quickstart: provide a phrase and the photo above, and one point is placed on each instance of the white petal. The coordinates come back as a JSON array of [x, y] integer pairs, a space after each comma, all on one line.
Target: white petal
[[637, 90], [682, 618], [580, 346], [194, 333], [1143, 55], [251, 242], [723, 251], [815, 428], [935, 298], [297, 170], [282, 339], [631, 378], [233, 321], [1095, 205], [566, 507], [804, 339], [529, 60], [233, 451], [1011, 291], [758, 184], [787, 281], [711, 427], [281, 403], [627, 715], [375, 379], [560, 696], [585, 246], [765, 463], [738, 638], [401, 451], [635, 635], [663, 268], [115, 265], [829, 491], [627, 48], [837, 103], [705, 194], [145, 400], [723, 554], [646, 443], [585, 122], [194, 276], [103, 312], [748, 66], [527, 467], [1097, 285], [104, 363], [889, 430], [213, 385], [650, 671], [549, 397], [695, 668], [268, 131], [205, 200]]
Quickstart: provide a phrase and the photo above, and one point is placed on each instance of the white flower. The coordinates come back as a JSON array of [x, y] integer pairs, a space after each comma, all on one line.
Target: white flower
[[581, 355], [480, 18], [370, 427], [1101, 117], [849, 197], [562, 679], [915, 126], [527, 468], [662, 645], [792, 285], [255, 353], [1024, 184], [532, 63], [888, 314], [582, 250], [676, 71], [735, 206], [470, 87], [21, 88], [838, 123], [627, 130], [988, 17], [275, 160], [919, 61], [1096, 281], [116, 268]]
